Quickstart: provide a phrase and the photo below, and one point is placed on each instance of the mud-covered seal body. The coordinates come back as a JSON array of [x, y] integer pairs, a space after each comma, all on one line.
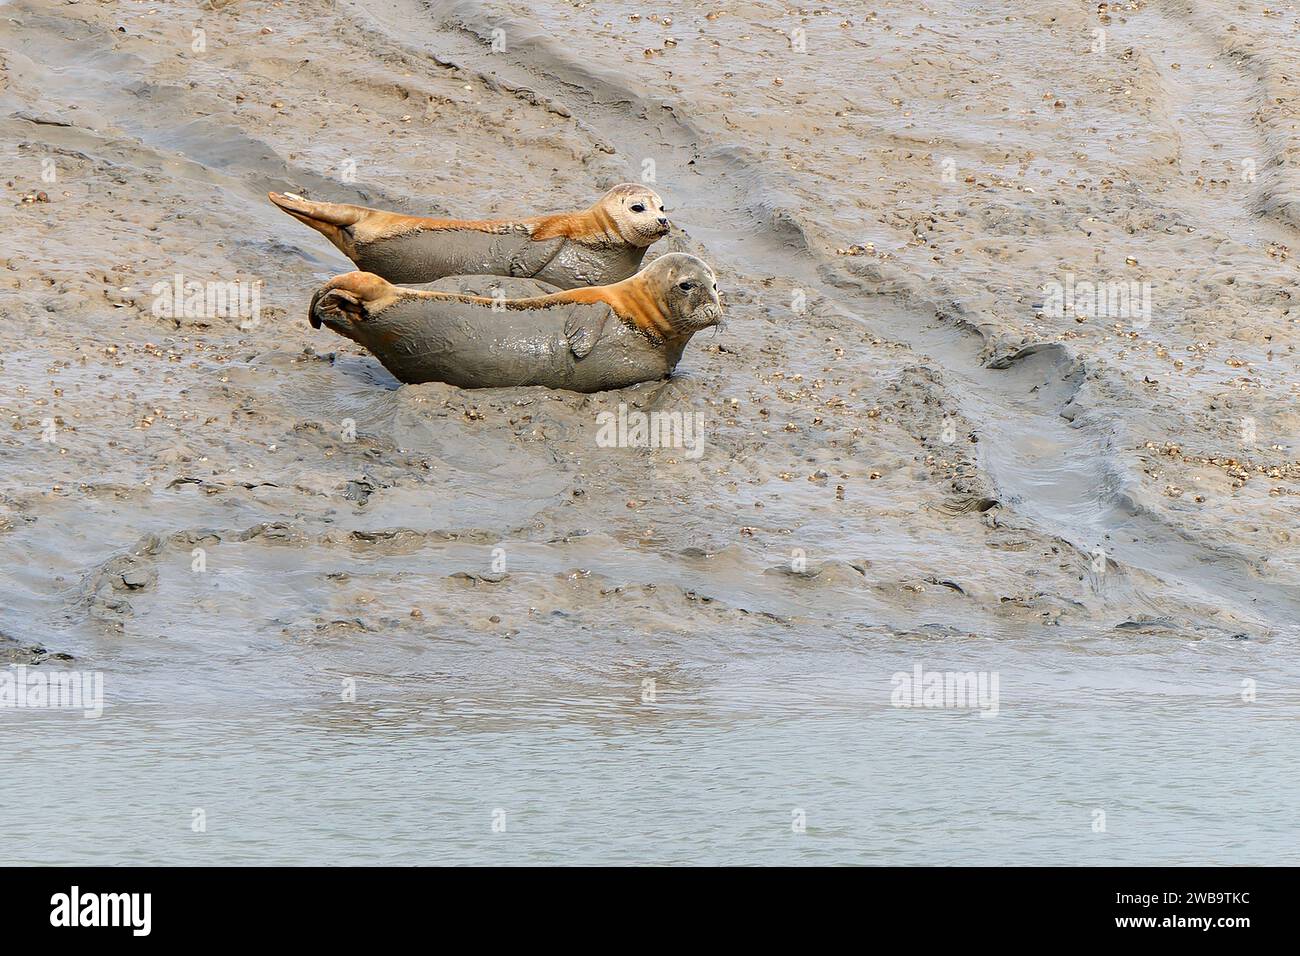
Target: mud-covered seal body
[[468, 346], [487, 286], [585, 340], [597, 246]]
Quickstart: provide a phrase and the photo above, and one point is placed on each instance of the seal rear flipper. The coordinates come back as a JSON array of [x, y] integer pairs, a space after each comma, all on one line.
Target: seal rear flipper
[[349, 299], [332, 220], [334, 304]]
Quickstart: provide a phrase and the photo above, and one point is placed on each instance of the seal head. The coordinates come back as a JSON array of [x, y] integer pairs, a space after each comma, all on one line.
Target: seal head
[[672, 298], [632, 213], [689, 292]]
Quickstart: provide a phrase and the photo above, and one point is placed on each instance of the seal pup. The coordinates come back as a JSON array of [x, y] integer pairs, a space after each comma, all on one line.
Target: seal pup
[[569, 250], [584, 340]]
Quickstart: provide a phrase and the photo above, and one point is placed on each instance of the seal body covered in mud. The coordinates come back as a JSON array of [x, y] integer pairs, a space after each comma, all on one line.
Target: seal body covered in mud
[[597, 246], [585, 340]]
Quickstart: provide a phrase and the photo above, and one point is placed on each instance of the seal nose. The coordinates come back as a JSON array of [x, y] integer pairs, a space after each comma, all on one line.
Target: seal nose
[[663, 221]]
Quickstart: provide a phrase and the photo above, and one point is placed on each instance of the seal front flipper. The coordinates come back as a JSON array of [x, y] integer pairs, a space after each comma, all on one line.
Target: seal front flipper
[[534, 256], [584, 327]]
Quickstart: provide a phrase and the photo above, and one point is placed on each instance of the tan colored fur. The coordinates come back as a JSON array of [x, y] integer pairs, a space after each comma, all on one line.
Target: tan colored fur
[[349, 227]]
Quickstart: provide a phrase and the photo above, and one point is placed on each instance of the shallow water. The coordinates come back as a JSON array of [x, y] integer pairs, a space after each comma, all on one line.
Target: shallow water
[[713, 773], [343, 622], [558, 737]]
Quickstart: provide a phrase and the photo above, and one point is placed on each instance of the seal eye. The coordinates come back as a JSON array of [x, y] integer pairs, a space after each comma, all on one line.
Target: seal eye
[[686, 286], [638, 207]]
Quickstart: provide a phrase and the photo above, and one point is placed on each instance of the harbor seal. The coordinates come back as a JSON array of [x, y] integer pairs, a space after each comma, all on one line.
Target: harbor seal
[[597, 246], [584, 340]]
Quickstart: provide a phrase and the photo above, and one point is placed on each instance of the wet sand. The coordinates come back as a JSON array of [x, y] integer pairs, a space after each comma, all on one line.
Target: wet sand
[[908, 457]]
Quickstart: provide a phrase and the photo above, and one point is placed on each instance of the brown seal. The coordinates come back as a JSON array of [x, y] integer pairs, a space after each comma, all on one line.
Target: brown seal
[[585, 340], [597, 246]]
